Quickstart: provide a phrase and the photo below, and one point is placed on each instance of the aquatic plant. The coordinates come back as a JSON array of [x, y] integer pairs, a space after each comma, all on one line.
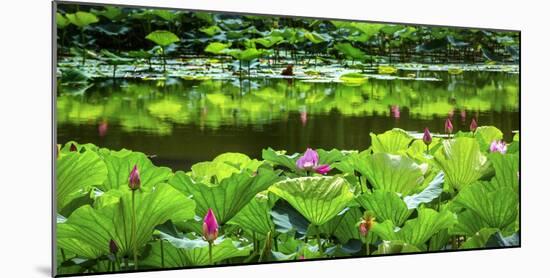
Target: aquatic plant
[[263, 210]]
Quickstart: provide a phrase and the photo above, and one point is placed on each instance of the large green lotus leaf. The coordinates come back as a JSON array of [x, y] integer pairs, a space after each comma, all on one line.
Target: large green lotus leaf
[[238, 160], [506, 170], [479, 239], [416, 231], [349, 51], [61, 21], [195, 250], [286, 218], [395, 247], [315, 37], [427, 224], [487, 134], [329, 157], [173, 257], [75, 246], [344, 226], [82, 19], [461, 161], [354, 162], [111, 219], [75, 173], [230, 196], [120, 164], [468, 224], [498, 208], [317, 198], [269, 41], [162, 38], [395, 173], [255, 216], [216, 47], [280, 158], [391, 141], [212, 171], [385, 205], [428, 194]]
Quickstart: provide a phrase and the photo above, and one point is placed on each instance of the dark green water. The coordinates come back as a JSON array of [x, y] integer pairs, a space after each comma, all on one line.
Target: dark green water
[[181, 122]]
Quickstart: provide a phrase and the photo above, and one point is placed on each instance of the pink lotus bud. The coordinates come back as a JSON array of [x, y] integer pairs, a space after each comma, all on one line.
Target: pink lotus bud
[[366, 224], [448, 126], [134, 181], [73, 148], [210, 226], [322, 169], [113, 248], [427, 138], [498, 146], [463, 115], [473, 125]]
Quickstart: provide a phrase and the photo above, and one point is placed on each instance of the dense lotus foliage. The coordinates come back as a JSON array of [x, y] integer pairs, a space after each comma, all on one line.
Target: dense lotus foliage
[[118, 211], [414, 177]]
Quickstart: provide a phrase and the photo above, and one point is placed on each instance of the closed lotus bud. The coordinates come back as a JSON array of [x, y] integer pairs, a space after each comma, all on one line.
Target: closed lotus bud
[[366, 224], [73, 148], [113, 248], [473, 125], [210, 226], [427, 138], [448, 126], [134, 181]]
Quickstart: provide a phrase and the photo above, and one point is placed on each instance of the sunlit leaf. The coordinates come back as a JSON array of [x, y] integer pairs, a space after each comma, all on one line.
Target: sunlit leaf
[[316, 198], [162, 38], [112, 219], [76, 173], [462, 161]]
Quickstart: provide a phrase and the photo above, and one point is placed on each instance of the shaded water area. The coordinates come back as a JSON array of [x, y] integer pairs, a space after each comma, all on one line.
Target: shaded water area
[[181, 122]]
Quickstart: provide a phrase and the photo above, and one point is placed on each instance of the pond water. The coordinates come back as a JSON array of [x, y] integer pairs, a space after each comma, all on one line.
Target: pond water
[[180, 122]]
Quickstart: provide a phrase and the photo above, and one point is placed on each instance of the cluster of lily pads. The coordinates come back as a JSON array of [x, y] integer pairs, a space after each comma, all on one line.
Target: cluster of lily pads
[[137, 40], [117, 211]]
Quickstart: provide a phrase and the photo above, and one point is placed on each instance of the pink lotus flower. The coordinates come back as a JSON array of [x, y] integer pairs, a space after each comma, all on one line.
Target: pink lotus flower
[[498, 146], [473, 125], [448, 126], [427, 138], [310, 162], [210, 226], [134, 181]]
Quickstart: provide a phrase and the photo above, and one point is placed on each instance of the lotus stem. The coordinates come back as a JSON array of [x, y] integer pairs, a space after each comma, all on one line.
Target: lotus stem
[[83, 46], [210, 252], [134, 230], [163, 60], [161, 254], [126, 266], [63, 254], [321, 251], [367, 247]]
